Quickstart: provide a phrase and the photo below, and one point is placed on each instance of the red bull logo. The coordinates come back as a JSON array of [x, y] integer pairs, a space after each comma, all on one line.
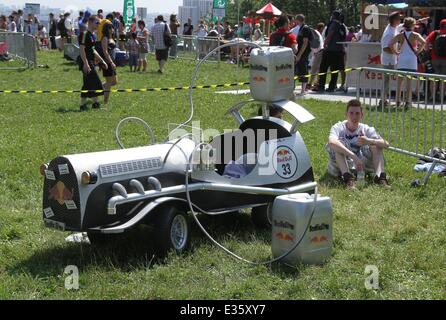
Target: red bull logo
[[284, 80], [284, 155], [60, 193], [283, 152], [284, 236], [258, 79], [318, 239], [374, 60]]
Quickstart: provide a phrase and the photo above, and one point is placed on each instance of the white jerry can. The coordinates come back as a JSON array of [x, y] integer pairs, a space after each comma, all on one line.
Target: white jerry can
[[290, 216], [272, 74]]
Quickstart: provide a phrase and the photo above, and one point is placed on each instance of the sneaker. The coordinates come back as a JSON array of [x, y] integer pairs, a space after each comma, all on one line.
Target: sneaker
[[382, 180], [160, 72], [96, 105], [330, 90], [83, 107], [349, 181], [341, 89], [318, 89]]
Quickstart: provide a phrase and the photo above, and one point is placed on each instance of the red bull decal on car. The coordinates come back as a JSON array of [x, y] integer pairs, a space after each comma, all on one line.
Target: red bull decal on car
[[60, 193]]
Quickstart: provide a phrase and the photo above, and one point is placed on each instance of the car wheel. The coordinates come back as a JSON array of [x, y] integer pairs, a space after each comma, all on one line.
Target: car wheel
[[171, 230], [262, 216]]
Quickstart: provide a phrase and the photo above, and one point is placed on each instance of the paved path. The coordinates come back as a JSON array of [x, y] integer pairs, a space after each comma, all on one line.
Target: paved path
[[341, 97]]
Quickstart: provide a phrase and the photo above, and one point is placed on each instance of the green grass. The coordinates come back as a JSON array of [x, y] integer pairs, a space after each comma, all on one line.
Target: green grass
[[401, 231]]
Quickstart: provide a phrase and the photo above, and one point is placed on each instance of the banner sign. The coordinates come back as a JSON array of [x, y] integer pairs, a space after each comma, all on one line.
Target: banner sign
[[128, 13]]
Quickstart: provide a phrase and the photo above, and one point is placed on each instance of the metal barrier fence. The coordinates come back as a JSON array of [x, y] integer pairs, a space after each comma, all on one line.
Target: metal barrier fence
[[413, 124], [21, 46], [194, 48]]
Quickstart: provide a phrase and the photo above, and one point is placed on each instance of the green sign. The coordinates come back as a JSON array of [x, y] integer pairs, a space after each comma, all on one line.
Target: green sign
[[128, 13], [219, 4]]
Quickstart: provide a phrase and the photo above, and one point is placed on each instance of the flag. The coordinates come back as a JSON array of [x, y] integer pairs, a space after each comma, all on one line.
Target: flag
[[128, 13]]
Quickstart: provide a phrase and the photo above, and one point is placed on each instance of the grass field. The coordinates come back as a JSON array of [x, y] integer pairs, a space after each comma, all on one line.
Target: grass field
[[401, 231]]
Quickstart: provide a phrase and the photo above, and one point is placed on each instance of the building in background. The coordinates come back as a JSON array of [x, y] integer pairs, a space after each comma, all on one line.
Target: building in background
[[194, 9]]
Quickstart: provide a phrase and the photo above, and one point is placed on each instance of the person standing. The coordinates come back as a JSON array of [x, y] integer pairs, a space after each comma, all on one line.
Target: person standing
[[121, 33], [295, 30], [333, 55], [304, 49], [77, 23], [12, 27], [436, 45], [173, 25], [87, 65], [317, 55], [68, 27], [133, 50], [19, 21], [188, 29], [143, 39], [258, 35], [389, 56], [107, 50], [411, 44], [52, 31], [159, 30], [202, 34], [3, 23], [133, 26]]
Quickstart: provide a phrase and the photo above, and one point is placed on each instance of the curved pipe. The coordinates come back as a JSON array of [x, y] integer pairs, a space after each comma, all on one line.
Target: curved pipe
[[119, 188], [154, 183], [118, 200], [137, 185]]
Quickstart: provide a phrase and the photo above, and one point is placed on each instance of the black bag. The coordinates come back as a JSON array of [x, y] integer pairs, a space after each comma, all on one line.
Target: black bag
[[278, 39], [168, 42], [440, 45]]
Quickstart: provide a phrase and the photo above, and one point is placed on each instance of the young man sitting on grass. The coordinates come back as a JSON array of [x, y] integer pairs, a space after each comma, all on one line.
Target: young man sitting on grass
[[352, 143]]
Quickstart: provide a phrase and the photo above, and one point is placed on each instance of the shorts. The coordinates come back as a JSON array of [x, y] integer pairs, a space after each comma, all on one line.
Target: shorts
[[301, 69], [133, 59], [439, 66], [142, 56], [91, 81], [364, 152], [109, 72], [162, 54]]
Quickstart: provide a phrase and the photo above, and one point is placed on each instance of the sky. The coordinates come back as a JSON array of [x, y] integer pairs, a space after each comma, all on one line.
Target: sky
[[162, 6]]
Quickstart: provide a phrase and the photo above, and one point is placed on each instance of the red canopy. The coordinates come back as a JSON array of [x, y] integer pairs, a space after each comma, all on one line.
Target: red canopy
[[269, 10]]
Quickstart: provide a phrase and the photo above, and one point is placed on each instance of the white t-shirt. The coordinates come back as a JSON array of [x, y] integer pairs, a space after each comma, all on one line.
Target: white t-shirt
[[201, 33], [321, 41], [389, 33], [295, 30], [349, 138], [68, 24]]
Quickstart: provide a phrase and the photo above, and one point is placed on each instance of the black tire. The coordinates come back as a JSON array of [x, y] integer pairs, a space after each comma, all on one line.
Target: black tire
[[261, 216], [166, 219]]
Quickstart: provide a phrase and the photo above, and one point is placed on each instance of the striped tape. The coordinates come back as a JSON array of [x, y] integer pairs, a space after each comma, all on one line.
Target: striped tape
[[212, 86]]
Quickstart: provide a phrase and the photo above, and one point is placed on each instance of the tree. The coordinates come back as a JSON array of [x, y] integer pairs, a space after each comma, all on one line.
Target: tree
[[315, 11]]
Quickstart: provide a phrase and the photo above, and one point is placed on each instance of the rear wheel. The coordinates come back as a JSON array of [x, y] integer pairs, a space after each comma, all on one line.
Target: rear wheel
[[262, 216], [171, 230]]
